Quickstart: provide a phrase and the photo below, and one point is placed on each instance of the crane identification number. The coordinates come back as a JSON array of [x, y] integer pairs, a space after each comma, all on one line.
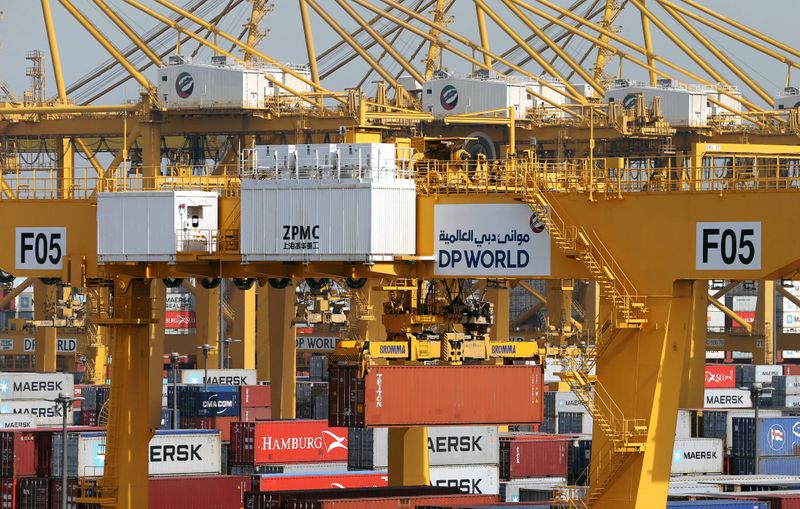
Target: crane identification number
[[728, 246], [41, 248]]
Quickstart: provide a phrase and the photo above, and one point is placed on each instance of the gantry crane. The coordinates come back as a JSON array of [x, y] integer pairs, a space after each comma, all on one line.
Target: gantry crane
[[646, 210]]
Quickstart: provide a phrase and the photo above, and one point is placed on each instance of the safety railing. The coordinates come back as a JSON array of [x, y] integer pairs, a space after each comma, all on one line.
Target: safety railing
[[84, 183], [584, 176], [198, 240]]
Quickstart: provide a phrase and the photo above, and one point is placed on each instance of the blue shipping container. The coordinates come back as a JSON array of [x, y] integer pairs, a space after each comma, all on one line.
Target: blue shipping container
[[777, 465], [780, 436], [214, 404], [719, 504], [166, 418]]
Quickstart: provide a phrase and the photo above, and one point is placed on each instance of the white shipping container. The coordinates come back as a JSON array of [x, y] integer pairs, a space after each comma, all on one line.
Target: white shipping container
[[155, 225], [677, 488], [474, 479], [511, 489], [17, 421], [792, 385], [715, 354], [764, 373], [697, 456], [792, 401], [317, 220], [35, 385], [204, 86], [453, 96], [171, 452], [680, 107], [683, 427], [568, 402], [46, 413], [727, 398], [219, 376], [448, 445]]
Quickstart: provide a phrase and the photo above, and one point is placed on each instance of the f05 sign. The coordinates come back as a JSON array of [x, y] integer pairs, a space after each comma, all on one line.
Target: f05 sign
[[728, 246], [40, 248]]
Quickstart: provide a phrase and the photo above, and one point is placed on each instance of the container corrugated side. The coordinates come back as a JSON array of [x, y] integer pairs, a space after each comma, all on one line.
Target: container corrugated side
[[779, 436], [475, 479], [191, 492], [325, 480], [697, 456], [524, 456], [509, 490], [389, 395]]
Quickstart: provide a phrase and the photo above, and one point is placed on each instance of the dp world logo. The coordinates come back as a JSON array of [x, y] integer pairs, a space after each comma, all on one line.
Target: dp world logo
[[537, 226], [629, 101], [449, 97], [184, 85], [775, 438]]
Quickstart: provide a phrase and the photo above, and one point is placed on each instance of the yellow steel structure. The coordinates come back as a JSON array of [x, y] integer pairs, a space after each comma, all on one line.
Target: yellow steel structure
[[620, 192]]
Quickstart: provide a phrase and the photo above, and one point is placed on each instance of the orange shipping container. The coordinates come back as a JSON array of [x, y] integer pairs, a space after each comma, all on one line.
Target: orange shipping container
[[435, 395]]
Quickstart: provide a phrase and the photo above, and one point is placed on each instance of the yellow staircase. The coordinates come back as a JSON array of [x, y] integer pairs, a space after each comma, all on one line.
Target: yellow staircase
[[625, 437]]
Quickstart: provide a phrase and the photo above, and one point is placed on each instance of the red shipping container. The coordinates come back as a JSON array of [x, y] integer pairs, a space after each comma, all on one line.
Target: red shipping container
[[299, 441], [791, 369], [533, 456], [191, 492], [55, 493], [223, 424], [8, 494], [781, 501], [720, 376], [17, 453], [255, 414], [290, 482], [453, 395], [252, 396], [395, 502]]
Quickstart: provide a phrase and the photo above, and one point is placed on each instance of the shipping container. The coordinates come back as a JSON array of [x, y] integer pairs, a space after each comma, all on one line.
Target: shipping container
[[727, 398], [73, 492], [192, 492], [46, 412], [219, 376], [172, 452], [311, 220], [781, 501], [33, 493], [255, 396], [509, 491], [732, 414], [287, 442], [579, 456], [533, 456], [779, 436], [784, 401], [717, 504], [573, 423], [253, 414], [144, 226], [779, 465], [697, 456], [475, 479], [8, 494], [409, 497], [221, 424], [38, 386], [17, 453], [789, 384], [683, 424], [290, 468], [389, 395], [720, 376], [791, 369], [320, 481], [447, 445]]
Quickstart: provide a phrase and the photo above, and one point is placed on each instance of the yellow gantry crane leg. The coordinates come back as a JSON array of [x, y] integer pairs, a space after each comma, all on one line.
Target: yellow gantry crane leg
[[243, 350], [765, 323], [408, 457], [282, 351], [263, 371], [138, 313], [44, 296], [207, 332]]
